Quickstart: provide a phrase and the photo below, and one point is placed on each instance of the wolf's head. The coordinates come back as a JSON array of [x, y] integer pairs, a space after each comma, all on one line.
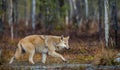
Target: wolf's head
[[63, 43]]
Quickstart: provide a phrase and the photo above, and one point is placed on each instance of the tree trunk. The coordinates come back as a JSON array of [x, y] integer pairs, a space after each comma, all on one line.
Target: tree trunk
[[67, 14], [26, 12], [86, 8], [66, 18], [100, 19], [33, 13], [115, 22], [11, 18], [16, 11], [79, 12], [106, 22], [15, 8], [71, 7], [4, 7], [72, 10]]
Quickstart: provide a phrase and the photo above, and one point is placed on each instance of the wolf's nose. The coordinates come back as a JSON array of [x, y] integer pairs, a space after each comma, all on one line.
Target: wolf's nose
[[69, 48]]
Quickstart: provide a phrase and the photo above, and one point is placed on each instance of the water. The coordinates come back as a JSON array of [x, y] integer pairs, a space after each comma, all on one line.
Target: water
[[53, 67], [63, 67]]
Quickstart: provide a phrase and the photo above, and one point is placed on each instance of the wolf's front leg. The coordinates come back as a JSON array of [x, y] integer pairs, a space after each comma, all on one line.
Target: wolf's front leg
[[44, 57], [55, 54]]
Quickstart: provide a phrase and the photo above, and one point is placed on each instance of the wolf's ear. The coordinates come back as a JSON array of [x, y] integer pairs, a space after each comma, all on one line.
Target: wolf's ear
[[62, 37]]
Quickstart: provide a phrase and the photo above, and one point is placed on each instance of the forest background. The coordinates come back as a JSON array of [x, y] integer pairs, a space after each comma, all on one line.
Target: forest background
[[93, 26]]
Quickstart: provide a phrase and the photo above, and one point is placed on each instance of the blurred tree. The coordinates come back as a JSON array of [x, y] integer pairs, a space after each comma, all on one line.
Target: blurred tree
[[67, 13], [15, 16], [79, 13], [1, 16], [4, 7], [86, 8], [106, 22], [75, 11], [54, 12], [115, 21], [72, 8], [15, 8], [26, 12], [33, 14], [10, 20], [100, 19]]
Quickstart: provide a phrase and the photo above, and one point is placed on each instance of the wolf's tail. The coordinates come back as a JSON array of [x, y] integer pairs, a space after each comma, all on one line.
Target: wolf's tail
[[20, 47]]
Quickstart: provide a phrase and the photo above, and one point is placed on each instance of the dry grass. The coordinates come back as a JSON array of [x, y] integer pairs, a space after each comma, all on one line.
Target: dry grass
[[105, 57]]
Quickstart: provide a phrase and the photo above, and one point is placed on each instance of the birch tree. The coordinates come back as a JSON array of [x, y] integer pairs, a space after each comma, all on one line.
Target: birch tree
[[106, 22], [66, 18], [26, 12], [33, 13], [11, 18], [86, 8], [73, 8], [75, 11]]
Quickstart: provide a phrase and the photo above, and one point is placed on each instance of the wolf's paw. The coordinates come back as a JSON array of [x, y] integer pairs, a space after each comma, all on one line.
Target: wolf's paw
[[31, 62], [66, 61]]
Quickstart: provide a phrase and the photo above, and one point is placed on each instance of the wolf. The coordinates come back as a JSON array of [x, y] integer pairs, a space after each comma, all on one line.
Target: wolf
[[44, 44]]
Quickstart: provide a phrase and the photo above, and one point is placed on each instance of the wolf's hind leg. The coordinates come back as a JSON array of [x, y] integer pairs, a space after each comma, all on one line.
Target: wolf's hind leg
[[11, 60], [16, 56], [31, 54]]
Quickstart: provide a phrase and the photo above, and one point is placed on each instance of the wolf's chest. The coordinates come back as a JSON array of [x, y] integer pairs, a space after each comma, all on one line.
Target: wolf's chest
[[42, 49]]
